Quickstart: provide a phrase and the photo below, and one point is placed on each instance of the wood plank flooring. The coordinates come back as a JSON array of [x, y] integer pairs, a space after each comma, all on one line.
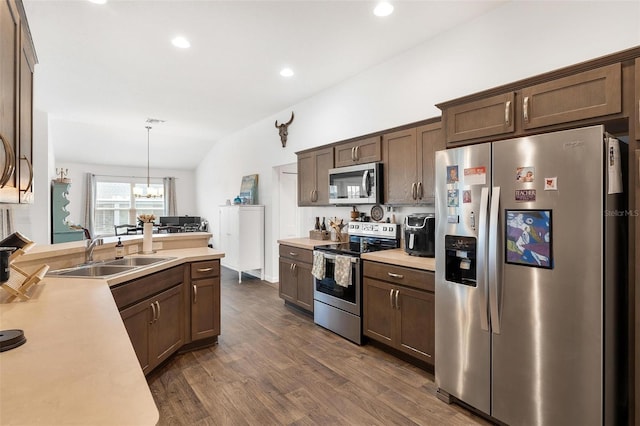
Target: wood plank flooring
[[273, 366]]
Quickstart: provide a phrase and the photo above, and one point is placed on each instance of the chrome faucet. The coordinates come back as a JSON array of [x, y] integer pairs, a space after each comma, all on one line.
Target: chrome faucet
[[91, 244]]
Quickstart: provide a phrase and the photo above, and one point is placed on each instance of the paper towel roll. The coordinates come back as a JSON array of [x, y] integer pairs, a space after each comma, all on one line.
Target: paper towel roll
[[147, 239]]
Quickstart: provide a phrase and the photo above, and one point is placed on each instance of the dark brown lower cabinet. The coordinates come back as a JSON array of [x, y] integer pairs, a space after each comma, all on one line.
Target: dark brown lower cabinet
[[205, 299], [400, 316], [153, 311], [155, 327], [296, 281]]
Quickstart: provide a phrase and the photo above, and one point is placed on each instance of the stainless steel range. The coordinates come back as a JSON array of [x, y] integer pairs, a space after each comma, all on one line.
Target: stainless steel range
[[337, 292]]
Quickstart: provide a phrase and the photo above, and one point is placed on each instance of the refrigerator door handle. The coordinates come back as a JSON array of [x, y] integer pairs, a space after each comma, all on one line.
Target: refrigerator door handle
[[482, 259], [493, 260]]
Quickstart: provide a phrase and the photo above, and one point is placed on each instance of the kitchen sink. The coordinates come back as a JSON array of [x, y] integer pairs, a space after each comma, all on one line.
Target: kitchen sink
[[108, 268], [138, 261], [93, 271]]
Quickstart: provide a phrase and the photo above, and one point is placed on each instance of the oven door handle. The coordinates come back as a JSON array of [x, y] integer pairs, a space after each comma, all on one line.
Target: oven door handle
[[333, 257]]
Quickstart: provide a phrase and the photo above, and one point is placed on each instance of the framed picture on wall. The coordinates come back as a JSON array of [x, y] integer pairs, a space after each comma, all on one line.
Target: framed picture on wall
[[249, 189]]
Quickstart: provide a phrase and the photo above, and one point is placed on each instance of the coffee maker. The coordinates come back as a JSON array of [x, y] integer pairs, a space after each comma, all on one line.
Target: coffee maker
[[419, 234]]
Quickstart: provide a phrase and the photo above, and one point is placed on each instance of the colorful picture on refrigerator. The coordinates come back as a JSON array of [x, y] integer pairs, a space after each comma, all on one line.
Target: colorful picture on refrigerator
[[529, 238]]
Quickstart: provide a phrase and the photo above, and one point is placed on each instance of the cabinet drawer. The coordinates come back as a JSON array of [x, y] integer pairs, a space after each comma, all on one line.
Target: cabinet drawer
[[409, 277], [130, 292], [296, 254], [205, 269]]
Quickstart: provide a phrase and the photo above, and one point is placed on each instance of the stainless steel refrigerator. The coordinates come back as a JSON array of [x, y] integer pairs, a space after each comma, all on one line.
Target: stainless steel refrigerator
[[530, 278]]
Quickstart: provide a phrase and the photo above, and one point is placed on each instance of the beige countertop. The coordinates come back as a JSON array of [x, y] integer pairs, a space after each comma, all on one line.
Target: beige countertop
[[78, 365], [401, 258], [304, 243]]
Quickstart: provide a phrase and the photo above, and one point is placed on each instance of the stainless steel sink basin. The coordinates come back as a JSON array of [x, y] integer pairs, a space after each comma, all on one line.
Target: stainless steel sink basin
[[138, 261], [93, 271], [108, 268]]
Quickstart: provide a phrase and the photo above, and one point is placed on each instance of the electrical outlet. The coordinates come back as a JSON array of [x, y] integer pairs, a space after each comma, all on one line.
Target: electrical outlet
[[156, 245], [132, 249]]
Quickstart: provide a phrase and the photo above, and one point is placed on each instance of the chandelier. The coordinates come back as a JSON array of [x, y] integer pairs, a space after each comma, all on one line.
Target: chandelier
[[149, 191]]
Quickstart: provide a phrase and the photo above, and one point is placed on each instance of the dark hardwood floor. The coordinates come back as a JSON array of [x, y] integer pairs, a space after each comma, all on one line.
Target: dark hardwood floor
[[273, 366]]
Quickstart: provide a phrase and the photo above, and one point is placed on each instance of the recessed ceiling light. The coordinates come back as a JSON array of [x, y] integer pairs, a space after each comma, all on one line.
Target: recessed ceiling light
[[181, 42], [286, 72], [383, 9], [98, 1]]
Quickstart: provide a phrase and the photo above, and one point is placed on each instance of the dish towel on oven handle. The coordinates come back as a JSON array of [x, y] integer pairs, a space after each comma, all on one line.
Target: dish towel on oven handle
[[318, 265], [342, 273]]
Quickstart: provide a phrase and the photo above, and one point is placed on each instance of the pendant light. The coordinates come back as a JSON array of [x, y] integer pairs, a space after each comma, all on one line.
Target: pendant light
[[148, 192]]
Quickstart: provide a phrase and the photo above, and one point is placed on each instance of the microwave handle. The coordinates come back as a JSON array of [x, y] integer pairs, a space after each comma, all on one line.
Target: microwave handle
[[366, 184]]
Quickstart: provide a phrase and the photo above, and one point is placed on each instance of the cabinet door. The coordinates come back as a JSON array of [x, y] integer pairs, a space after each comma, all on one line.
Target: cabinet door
[[400, 155], [306, 178], [636, 108], [430, 139], [205, 308], [415, 323], [304, 284], [229, 236], [485, 117], [9, 36], [25, 155], [379, 316], [168, 327], [288, 287], [323, 162], [585, 95], [137, 320], [358, 152]]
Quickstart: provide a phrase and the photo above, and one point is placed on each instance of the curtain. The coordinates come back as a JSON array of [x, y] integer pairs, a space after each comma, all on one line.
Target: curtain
[[6, 222], [90, 204], [170, 204]]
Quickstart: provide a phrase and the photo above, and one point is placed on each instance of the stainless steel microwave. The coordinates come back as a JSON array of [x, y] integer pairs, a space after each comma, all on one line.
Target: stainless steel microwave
[[360, 184]]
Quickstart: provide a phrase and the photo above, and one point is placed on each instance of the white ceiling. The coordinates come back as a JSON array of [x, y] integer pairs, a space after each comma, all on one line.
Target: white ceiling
[[104, 69]]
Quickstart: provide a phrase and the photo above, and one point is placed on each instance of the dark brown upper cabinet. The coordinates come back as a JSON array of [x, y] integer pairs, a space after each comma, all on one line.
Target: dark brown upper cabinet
[[362, 151]]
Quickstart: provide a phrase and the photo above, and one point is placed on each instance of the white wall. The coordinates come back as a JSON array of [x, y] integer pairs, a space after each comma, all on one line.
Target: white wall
[[185, 186], [517, 40]]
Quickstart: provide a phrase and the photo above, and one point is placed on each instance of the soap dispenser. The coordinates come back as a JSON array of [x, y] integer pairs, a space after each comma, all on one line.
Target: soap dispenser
[[119, 249]]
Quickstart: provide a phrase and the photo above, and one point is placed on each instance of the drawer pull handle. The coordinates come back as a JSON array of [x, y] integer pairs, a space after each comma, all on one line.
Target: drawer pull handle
[[392, 275], [153, 310], [195, 294], [292, 254], [158, 305], [204, 269]]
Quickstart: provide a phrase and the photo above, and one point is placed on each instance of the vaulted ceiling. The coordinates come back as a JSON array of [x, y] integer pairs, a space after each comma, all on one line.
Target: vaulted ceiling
[[104, 69]]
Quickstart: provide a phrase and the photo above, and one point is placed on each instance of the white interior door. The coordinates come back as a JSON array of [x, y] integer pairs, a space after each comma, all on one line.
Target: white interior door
[[288, 206]]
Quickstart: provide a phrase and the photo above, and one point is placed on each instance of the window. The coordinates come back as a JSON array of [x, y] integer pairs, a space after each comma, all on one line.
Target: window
[[116, 204]]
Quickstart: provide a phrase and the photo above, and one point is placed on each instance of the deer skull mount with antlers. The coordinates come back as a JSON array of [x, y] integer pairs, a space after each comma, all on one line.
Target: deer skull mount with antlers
[[283, 130]]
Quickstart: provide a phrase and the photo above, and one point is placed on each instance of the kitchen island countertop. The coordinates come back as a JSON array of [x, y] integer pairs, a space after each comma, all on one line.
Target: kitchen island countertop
[[78, 365]]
